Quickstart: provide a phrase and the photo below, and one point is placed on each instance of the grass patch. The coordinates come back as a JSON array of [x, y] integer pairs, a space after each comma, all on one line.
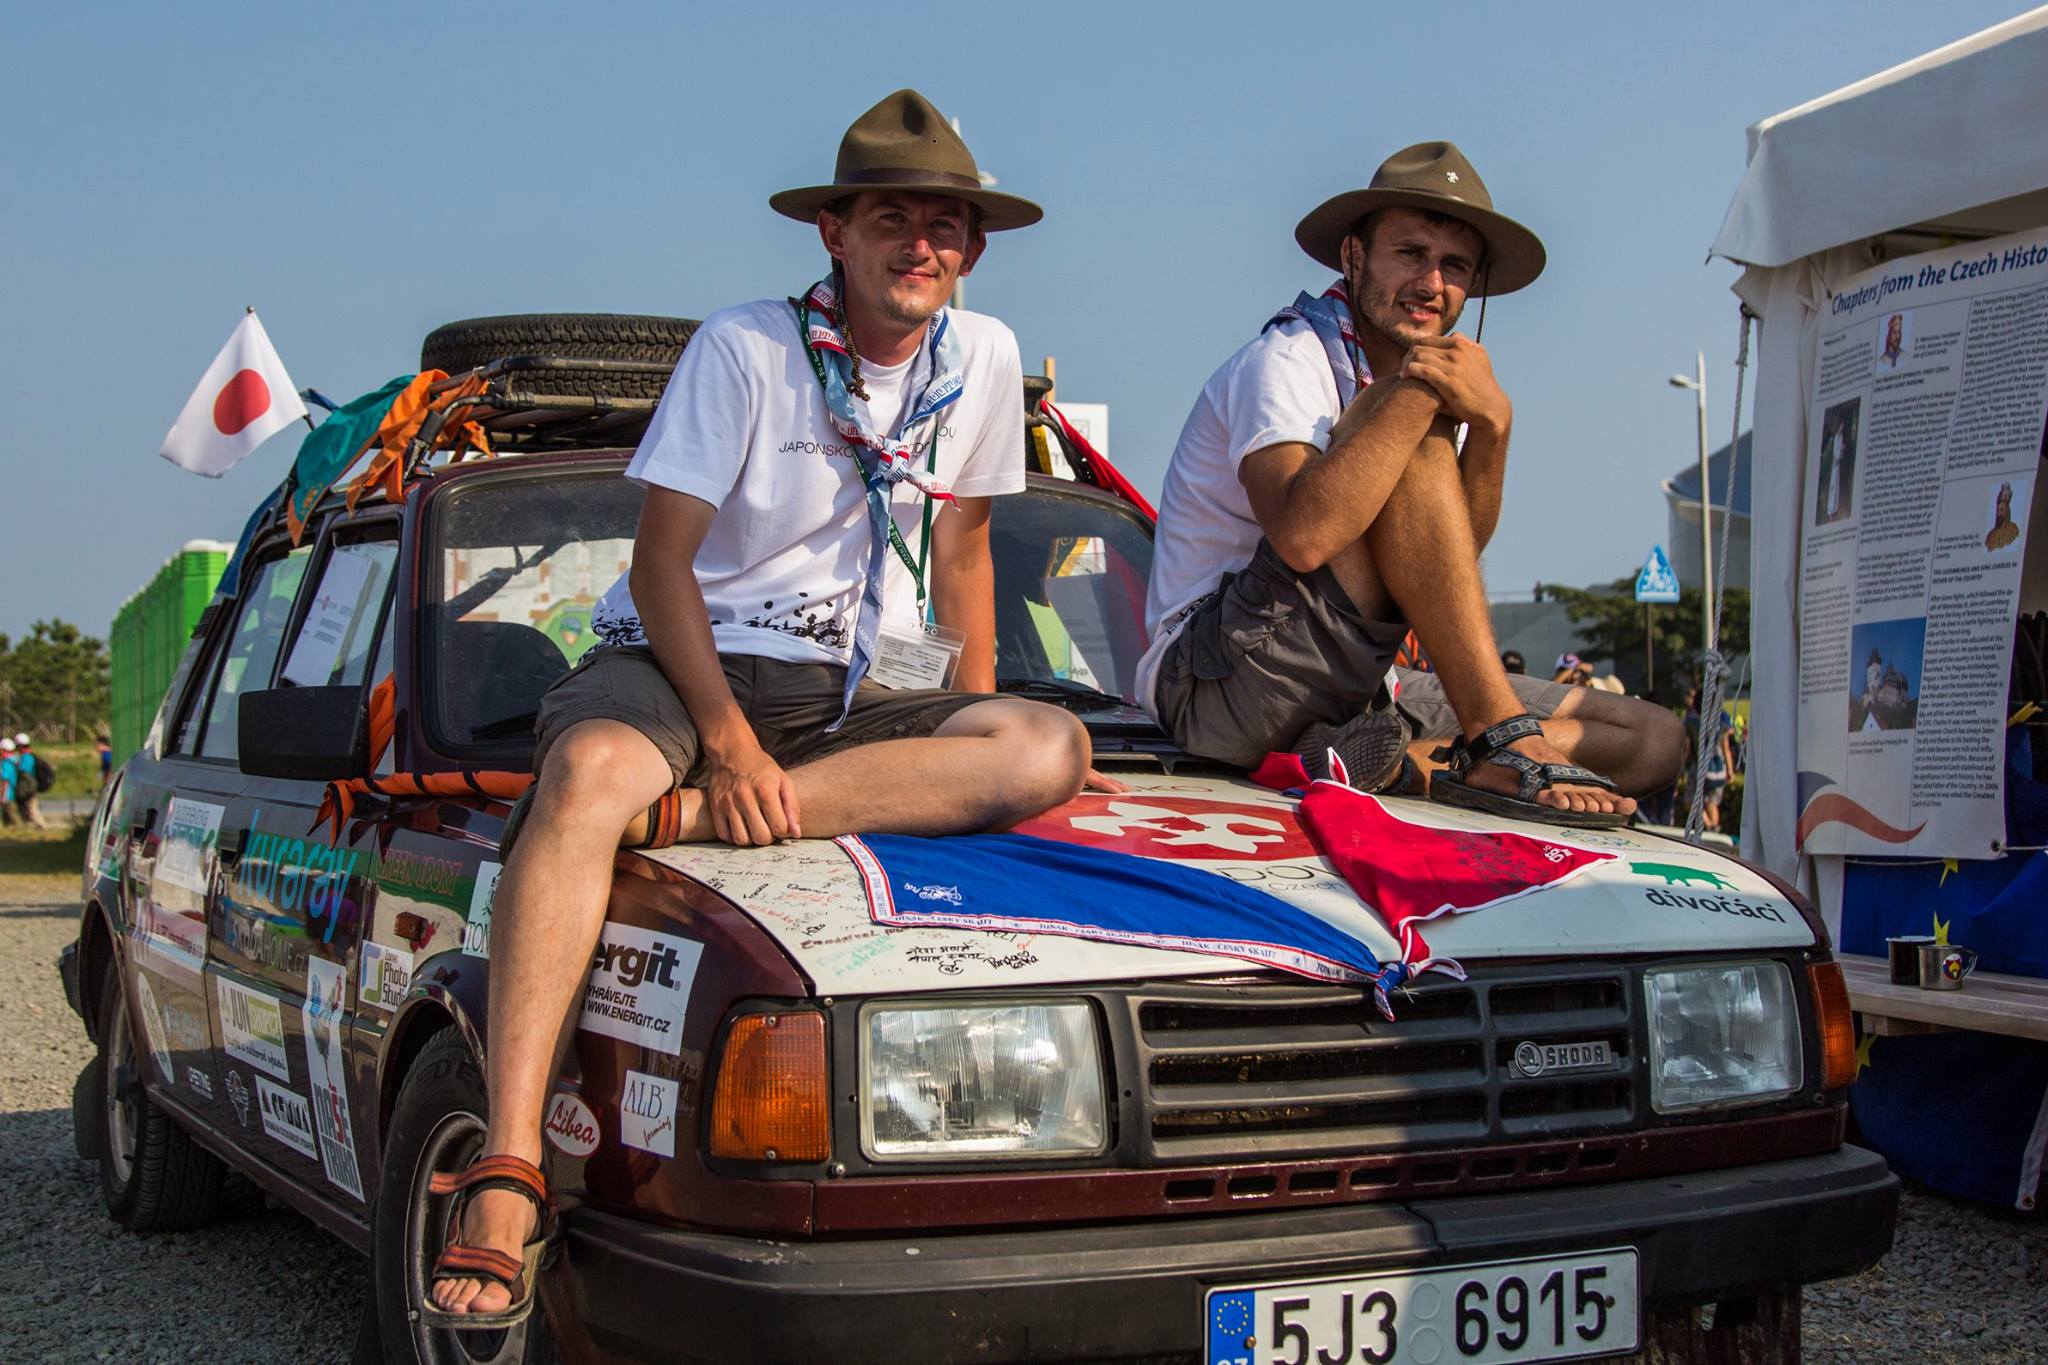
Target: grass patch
[[57, 851]]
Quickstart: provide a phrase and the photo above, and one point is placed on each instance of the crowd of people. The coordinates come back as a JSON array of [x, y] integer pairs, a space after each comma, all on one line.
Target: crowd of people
[[24, 776]]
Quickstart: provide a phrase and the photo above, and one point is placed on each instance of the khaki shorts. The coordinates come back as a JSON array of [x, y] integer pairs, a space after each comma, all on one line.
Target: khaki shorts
[[1428, 712], [1265, 656], [789, 705]]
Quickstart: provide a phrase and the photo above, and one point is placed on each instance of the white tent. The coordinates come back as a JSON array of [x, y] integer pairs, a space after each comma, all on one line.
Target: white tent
[[1947, 147]]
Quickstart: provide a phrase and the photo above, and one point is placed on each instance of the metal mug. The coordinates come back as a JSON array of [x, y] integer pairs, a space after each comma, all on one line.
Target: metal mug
[[1944, 965], [1905, 955]]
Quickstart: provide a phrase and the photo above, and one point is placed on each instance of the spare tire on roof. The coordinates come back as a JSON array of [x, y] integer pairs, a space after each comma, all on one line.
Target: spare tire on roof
[[459, 346]]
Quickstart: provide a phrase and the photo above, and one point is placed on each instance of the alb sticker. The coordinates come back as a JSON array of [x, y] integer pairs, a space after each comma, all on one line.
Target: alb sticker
[[287, 1117], [386, 976], [476, 929], [639, 986], [252, 1028], [327, 1072], [570, 1125], [647, 1113]]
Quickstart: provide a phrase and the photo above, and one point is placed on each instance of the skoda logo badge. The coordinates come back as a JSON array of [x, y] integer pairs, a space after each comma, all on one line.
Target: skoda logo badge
[[1528, 1060]]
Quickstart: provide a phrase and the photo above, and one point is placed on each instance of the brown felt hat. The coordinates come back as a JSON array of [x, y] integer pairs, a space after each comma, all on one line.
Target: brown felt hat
[[905, 143], [1433, 176]]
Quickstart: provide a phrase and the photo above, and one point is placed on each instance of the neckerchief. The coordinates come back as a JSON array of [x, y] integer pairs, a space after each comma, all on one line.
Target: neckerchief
[[934, 383], [1330, 318]]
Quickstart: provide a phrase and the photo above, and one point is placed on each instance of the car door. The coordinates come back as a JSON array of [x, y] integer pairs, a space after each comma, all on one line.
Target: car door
[[288, 908]]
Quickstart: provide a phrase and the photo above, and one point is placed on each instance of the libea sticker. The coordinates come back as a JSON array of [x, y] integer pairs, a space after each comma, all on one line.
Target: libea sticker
[[639, 986], [647, 1113], [252, 1028], [570, 1125]]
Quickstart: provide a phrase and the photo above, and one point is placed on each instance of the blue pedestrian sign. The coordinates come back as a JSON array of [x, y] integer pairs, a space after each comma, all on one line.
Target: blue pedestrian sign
[[1657, 583]]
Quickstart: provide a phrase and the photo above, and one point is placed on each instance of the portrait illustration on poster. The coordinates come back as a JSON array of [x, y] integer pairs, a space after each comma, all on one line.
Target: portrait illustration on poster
[[2004, 532], [1837, 462], [1892, 341]]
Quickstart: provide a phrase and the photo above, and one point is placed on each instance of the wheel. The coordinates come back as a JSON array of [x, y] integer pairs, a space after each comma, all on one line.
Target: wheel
[[437, 1125], [464, 345], [154, 1177]]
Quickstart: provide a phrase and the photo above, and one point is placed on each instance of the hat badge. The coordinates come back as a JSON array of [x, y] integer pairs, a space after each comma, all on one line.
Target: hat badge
[[1451, 176]]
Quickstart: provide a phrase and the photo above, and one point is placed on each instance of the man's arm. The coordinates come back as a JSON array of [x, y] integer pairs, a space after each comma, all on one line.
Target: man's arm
[[1312, 504], [963, 588], [751, 800]]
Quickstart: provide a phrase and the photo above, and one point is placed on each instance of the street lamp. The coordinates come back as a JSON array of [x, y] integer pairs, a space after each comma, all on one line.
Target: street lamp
[[1699, 387]]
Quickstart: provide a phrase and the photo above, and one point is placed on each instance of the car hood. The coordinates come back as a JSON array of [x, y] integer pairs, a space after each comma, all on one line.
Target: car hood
[[1651, 895]]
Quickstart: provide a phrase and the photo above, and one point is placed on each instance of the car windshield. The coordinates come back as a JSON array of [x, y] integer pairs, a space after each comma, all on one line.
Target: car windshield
[[519, 562]]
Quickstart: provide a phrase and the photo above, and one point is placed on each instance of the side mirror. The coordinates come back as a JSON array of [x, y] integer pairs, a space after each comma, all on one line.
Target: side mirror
[[315, 734]]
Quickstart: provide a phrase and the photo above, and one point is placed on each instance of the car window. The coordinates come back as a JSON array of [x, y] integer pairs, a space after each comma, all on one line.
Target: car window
[[518, 565], [252, 648], [332, 645], [1070, 590]]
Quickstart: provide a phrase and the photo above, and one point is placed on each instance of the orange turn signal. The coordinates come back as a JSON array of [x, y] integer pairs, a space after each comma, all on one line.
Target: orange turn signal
[[1837, 1025], [771, 1101]]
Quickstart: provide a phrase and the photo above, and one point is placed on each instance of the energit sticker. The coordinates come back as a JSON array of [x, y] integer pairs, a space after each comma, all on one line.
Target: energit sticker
[[639, 986]]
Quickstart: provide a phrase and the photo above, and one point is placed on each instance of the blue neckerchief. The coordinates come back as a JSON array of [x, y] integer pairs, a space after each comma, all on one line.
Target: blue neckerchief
[[1330, 318], [883, 462]]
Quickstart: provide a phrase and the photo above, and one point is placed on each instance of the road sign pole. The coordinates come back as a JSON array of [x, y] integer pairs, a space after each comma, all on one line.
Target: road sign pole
[[1650, 648]]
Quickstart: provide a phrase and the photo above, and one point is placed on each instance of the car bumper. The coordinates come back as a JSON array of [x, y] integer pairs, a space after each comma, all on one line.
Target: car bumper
[[1136, 1289]]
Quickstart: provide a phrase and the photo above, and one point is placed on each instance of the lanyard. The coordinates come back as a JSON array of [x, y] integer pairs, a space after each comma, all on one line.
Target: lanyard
[[924, 550]]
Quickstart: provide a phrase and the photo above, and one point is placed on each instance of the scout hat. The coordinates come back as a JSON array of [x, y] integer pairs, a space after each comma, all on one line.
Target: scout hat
[[904, 143], [1434, 176]]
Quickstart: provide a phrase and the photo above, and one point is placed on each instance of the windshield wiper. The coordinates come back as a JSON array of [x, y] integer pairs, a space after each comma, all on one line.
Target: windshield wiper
[[1057, 690], [520, 723]]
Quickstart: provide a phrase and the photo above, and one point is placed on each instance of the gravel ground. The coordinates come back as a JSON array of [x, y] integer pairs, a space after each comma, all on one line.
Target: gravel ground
[[264, 1285], [261, 1285]]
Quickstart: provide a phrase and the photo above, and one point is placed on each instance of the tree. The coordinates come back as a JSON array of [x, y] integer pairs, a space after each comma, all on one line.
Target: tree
[[1610, 623], [54, 682]]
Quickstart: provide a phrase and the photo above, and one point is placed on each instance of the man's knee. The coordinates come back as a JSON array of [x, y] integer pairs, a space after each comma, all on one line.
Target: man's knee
[[1046, 752], [601, 769]]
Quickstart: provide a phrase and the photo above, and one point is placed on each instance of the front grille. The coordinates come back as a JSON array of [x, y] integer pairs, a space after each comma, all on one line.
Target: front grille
[[1260, 1070]]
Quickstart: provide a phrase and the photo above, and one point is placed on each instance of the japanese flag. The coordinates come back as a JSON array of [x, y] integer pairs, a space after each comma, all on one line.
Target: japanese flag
[[245, 399]]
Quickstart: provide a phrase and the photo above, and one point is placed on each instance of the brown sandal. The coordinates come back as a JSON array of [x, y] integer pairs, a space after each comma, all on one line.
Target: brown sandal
[[459, 1262]]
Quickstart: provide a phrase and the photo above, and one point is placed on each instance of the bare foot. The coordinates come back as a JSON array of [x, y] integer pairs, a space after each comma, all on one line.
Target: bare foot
[[498, 1220], [1571, 796]]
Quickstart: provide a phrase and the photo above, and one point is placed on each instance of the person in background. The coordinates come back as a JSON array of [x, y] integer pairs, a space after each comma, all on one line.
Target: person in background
[[1512, 661], [10, 774], [104, 752], [28, 782], [1720, 764]]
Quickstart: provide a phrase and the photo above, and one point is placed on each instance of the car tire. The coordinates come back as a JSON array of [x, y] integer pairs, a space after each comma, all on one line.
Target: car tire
[[437, 1125], [464, 345], [153, 1175]]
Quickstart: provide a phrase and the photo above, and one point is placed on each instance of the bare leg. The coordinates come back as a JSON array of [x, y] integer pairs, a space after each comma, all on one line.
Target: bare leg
[[1637, 743], [988, 766], [1421, 554]]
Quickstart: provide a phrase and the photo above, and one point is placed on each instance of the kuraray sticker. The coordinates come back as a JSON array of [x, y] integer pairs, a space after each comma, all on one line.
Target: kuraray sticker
[[386, 976], [287, 1117], [476, 930], [191, 833], [252, 1028], [639, 986], [570, 1126], [647, 1113], [327, 1071]]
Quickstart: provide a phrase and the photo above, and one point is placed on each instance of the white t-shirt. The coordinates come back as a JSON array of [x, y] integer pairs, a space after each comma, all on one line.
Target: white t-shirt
[[743, 426], [1277, 388]]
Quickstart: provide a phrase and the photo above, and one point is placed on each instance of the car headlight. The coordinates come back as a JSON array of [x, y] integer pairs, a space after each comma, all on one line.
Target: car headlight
[[1722, 1035], [998, 1081]]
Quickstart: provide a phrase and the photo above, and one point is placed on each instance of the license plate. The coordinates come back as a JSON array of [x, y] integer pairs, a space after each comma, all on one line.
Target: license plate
[[1554, 1308]]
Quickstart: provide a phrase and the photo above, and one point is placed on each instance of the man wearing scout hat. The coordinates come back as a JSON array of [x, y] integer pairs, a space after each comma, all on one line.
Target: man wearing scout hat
[[818, 477], [1311, 515]]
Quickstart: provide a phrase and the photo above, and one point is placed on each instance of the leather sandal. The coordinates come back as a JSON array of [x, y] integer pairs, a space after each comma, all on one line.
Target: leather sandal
[[458, 1262], [1452, 787]]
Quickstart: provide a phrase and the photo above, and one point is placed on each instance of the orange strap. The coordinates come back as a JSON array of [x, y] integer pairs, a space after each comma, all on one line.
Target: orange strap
[[338, 805], [383, 717]]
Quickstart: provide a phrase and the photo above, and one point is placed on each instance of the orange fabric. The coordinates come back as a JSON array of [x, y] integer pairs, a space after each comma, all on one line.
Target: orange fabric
[[401, 423], [383, 717], [339, 804]]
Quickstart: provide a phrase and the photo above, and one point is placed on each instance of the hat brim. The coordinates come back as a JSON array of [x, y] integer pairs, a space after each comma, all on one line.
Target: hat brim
[[1514, 255], [999, 212]]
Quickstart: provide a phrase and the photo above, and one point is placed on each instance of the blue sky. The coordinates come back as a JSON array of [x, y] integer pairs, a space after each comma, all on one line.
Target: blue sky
[[364, 173]]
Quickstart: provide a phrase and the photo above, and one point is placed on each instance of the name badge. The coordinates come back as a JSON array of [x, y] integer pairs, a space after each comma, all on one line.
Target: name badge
[[910, 657]]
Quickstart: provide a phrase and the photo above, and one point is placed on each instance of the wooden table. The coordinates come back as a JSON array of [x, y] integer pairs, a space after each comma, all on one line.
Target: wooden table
[[1987, 1003]]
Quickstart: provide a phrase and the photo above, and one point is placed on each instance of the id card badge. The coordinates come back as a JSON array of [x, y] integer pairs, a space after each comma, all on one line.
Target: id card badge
[[914, 657]]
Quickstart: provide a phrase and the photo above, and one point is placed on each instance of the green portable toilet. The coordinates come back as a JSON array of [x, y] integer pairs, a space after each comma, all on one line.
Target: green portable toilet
[[149, 635]]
